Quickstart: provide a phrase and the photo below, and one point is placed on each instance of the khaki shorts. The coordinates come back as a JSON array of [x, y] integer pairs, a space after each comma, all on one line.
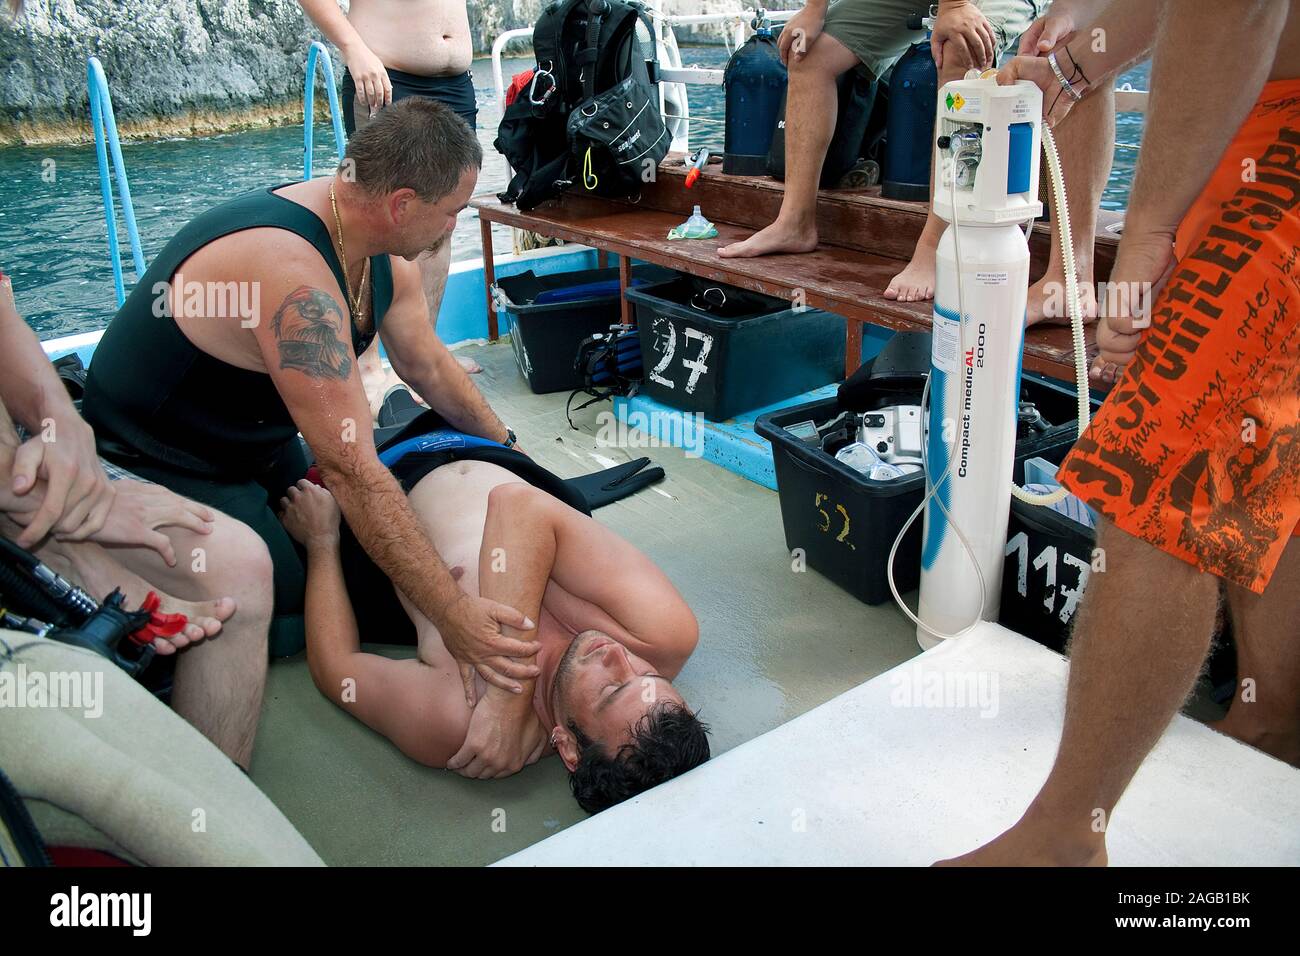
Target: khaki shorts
[[876, 30]]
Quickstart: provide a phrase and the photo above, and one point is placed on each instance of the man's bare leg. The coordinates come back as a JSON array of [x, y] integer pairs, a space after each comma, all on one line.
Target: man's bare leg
[[1143, 632], [1266, 714], [916, 282], [433, 275], [218, 683], [376, 379], [97, 571], [810, 111], [1085, 142]]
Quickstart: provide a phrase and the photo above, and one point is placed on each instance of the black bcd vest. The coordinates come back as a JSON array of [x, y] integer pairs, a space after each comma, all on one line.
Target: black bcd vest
[[590, 119]]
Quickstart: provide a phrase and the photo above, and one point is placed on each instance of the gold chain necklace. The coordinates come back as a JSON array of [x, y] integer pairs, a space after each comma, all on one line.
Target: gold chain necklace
[[358, 312]]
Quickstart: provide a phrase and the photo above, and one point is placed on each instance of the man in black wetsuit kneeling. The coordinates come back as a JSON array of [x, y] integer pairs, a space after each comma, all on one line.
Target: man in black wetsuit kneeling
[[245, 331]]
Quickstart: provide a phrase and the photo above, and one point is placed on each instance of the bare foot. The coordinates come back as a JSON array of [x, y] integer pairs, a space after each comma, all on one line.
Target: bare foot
[[375, 379], [92, 568], [916, 282], [776, 238], [203, 619], [1047, 301], [377, 390], [1283, 745], [1033, 844], [468, 364]]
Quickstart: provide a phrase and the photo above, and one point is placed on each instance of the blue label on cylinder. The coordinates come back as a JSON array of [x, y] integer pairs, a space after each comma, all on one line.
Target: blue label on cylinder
[[1019, 155]]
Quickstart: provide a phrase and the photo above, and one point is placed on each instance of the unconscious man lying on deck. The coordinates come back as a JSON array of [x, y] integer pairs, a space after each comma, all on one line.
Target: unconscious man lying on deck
[[612, 628]]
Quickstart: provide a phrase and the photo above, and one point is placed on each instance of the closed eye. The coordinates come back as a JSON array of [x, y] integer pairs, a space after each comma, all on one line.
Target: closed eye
[[607, 698]]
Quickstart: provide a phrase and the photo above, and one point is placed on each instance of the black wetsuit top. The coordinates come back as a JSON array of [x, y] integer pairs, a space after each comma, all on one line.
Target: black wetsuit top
[[152, 394]]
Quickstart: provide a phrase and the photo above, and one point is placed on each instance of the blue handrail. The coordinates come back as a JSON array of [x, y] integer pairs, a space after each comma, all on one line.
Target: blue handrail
[[319, 54], [105, 127]]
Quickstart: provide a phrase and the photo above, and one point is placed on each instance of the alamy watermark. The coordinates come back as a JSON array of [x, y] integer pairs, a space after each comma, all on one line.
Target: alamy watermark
[[74, 908], [66, 690], [652, 429], [921, 687], [1115, 299], [209, 300]]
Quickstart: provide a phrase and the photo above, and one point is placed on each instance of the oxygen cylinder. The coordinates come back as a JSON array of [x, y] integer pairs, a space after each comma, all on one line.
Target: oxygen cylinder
[[974, 393], [986, 187], [754, 82], [909, 128]]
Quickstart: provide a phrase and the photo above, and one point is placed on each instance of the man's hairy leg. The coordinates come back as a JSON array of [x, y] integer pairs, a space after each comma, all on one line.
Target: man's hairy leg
[[1143, 632], [219, 684], [434, 268], [1266, 712]]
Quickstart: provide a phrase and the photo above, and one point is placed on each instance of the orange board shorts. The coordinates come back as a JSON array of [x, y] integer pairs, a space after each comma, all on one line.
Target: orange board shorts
[[1197, 448]]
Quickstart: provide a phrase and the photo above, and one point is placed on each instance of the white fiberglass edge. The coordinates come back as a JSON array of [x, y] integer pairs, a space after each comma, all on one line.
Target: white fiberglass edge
[[877, 777]]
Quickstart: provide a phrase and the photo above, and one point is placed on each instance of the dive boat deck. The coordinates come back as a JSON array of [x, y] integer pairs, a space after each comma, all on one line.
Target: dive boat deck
[[795, 678], [775, 643]]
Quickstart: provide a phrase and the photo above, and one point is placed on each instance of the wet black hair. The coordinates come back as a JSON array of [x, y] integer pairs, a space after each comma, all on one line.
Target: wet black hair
[[666, 742]]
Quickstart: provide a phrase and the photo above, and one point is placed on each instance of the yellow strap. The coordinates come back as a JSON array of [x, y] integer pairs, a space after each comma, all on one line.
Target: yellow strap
[[588, 177]]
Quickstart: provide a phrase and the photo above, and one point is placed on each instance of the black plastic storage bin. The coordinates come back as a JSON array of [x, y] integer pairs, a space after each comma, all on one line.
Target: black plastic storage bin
[[545, 336], [1055, 551], [750, 350], [845, 524], [1057, 556]]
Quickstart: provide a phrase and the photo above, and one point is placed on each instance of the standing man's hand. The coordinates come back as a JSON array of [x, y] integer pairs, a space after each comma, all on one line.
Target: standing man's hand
[[1036, 69], [368, 72], [1143, 266], [78, 495], [471, 631], [967, 32], [1047, 33], [801, 32], [370, 76]]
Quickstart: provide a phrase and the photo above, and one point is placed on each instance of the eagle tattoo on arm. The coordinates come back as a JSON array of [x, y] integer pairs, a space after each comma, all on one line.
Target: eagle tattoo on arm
[[307, 327]]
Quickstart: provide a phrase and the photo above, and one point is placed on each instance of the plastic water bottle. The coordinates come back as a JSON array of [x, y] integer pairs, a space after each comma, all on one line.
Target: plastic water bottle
[[696, 223]]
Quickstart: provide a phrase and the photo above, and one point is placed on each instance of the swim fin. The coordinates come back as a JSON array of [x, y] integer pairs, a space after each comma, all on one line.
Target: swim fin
[[605, 487]]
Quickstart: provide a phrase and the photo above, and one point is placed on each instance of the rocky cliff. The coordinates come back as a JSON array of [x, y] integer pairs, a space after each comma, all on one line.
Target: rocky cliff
[[179, 67]]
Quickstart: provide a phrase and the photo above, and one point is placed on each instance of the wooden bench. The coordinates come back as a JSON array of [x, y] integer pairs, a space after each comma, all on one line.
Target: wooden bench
[[866, 240]]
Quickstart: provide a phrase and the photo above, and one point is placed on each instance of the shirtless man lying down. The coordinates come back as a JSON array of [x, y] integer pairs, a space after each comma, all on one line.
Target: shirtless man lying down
[[612, 633]]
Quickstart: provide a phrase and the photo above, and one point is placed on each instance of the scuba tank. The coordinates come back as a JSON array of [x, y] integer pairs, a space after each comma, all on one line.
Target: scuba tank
[[909, 137], [754, 81]]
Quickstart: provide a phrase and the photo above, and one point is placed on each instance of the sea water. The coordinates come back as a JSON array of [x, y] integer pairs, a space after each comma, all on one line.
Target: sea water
[[53, 240]]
